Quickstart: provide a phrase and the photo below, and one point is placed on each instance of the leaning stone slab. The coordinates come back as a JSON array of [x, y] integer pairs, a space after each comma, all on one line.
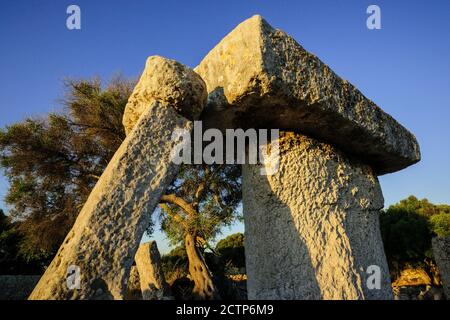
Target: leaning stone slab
[[441, 252], [259, 77], [107, 232], [151, 275], [312, 229]]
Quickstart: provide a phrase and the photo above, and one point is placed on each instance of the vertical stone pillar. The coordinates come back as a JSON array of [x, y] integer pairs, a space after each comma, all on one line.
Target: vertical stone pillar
[[312, 229], [441, 252], [151, 275], [101, 246]]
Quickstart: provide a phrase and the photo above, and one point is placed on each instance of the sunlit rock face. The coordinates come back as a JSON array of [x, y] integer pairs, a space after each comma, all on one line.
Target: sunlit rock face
[[151, 275], [311, 229], [258, 76], [107, 232]]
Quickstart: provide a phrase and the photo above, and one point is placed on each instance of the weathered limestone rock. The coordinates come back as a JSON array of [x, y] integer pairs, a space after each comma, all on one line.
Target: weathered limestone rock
[[107, 232], [441, 252], [311, 229], [261, 77], [133, 285], [169, 81], [151, 275], [412, 277]]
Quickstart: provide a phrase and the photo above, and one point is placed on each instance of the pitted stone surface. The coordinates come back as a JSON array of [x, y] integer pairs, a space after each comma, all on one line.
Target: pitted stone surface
[[133, 285], [311, 229], [441, 252], [260, 77], [107, 232], [169, 81]]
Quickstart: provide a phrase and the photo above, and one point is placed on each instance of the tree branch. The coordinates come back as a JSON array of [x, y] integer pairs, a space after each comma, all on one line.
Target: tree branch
[[174, 215], [93, 176], [180, 202], [202, 186]]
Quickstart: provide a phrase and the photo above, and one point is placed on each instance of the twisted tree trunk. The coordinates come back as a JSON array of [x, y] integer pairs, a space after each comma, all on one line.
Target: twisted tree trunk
[[204, 286]]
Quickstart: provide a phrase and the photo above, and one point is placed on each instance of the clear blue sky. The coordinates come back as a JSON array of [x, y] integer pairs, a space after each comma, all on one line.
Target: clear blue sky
[[404, 67]]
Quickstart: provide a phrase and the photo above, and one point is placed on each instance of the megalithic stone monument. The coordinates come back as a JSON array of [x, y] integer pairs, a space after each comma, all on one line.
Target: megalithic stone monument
[[99, 250], [312, 228], [317, 218]]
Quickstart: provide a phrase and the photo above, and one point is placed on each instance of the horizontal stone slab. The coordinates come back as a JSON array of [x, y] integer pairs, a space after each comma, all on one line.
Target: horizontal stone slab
[[261, 77]]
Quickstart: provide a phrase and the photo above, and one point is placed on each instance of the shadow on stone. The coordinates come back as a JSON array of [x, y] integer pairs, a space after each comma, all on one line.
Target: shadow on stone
[[312, 228], [100, 288], [292, 275]]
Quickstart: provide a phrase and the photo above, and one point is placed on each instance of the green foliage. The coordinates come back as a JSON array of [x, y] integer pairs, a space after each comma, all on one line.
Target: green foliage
[[229, 254], [231, 250], [440, 224], [52, 164], [408, 227], [235, 240], [175, 263], [214, 191], [422, 207], [406, 235], [11, 262]]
